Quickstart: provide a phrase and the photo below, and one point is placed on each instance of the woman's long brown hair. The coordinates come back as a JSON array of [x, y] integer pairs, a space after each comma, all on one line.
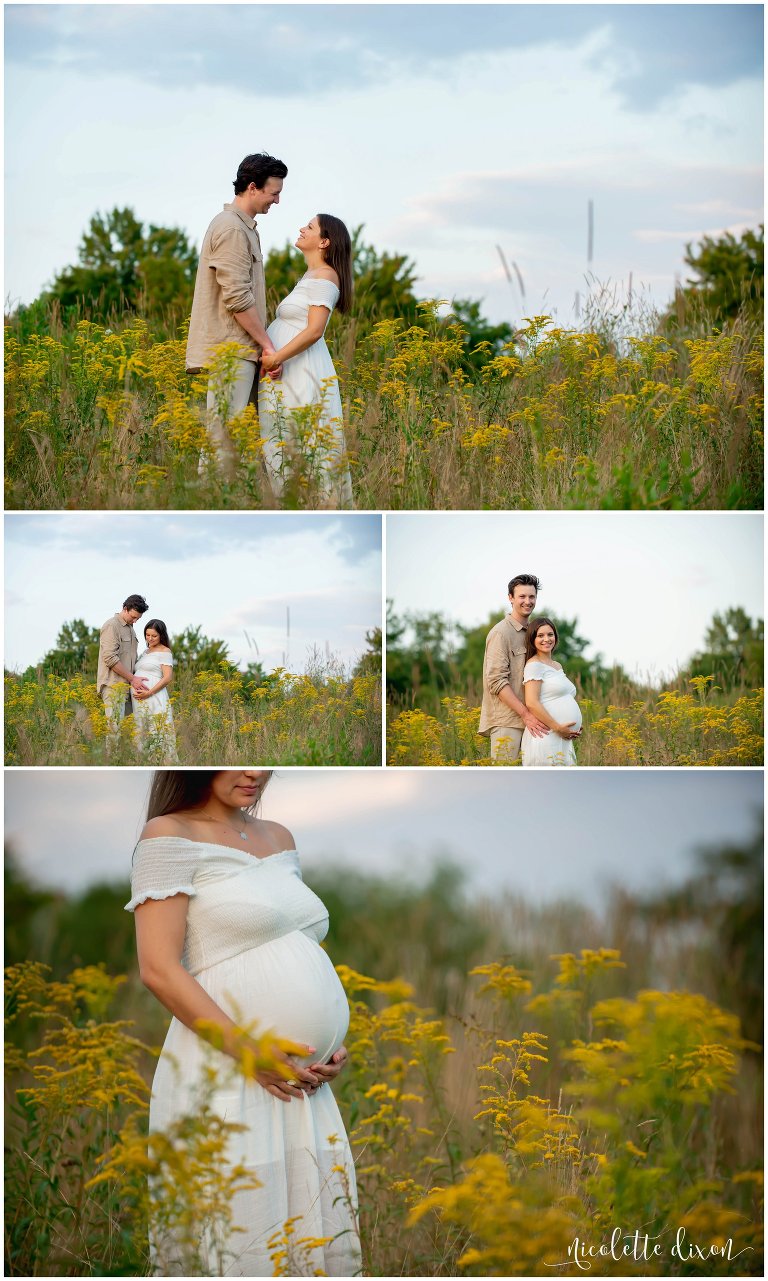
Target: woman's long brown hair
[[338, 255], [181, 789]]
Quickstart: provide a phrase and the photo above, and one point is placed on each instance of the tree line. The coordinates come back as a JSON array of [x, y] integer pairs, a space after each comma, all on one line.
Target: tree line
[[429, 657], [125, 266], [76, 652]]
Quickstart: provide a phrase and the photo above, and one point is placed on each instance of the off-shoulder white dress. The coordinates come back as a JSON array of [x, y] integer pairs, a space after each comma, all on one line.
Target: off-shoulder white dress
[[153, 717], [253, 943], [558, 696], [300, 413]]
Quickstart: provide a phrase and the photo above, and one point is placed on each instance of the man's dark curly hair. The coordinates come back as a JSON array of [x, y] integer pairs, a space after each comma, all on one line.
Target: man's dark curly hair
[[524, 580], [136, 602], [258, 168]]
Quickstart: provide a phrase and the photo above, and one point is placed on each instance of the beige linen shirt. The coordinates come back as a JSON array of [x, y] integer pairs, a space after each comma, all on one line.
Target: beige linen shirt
[[230, 278], [503, 665], [117, 644]]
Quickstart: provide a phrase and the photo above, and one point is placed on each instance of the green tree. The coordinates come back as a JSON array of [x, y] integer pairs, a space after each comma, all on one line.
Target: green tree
[[570, 650], [123, 265], [371, 660], [482, 340], [76, 650], [724, 899], [423, 667], [199, 653], [383, 282], [728, 275], [733, 650]]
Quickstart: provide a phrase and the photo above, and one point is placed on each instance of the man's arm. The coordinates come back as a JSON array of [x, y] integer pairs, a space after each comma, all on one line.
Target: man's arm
[[497, 680], [231, 260], [109, 644]]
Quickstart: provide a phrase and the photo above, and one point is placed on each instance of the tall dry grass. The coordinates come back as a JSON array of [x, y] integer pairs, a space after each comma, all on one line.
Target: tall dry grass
[[560, 419], [323, 717], [691, 722]]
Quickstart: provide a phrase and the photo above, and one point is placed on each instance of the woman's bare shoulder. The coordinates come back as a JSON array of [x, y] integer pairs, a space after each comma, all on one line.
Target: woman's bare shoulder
[[277, 835], [165, 825], [326, 273]]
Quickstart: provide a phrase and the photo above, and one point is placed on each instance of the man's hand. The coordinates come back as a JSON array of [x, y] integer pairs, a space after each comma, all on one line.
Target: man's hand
[[138, 683], [270, 363], [535, 727]]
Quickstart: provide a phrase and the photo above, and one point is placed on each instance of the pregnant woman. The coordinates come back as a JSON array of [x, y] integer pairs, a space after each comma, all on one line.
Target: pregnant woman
[[300, 411], [551, 697], [227, 932], [152, 714]]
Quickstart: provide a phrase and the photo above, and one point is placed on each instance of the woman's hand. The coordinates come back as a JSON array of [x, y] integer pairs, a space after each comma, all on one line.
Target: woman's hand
[[567, 730], [336, 1064], [270, 361], [143, 693], [302, 1080]]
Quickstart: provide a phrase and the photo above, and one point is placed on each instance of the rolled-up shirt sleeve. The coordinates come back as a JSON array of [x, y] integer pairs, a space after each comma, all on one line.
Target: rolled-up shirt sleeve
[[110, 644], [231, 260], [497, 668]]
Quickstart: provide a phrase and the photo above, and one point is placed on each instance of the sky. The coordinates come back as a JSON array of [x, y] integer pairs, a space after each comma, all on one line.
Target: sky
[[447, 130], [233, 574], [589, 828], [643, 585]]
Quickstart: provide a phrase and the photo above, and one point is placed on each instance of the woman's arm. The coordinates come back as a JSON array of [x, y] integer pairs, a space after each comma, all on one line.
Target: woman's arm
[[160, 929], [161, 684], [316, 322], [532, 691]]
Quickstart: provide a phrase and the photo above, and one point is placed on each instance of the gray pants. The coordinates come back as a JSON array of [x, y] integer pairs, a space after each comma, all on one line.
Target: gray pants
[[238, 394], [505, 743]]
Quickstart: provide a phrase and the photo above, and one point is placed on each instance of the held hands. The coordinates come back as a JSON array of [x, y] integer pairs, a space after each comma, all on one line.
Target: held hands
[[336, 1064], [270, 364]]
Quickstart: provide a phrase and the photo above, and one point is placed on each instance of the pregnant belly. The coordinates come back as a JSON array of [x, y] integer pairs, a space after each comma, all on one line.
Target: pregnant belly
[[564, 709], [288, 986]]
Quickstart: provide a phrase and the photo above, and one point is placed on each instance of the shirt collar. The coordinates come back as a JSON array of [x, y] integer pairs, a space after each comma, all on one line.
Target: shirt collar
[[249, 222], [519, 627]]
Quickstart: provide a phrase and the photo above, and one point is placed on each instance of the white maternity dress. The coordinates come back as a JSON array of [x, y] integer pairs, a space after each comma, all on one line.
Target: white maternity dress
[[253, 943], [558, 696], [153, 717], [300, 413]]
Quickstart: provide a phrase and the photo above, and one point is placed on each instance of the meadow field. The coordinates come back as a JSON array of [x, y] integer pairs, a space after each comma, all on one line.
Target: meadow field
[[692, 722], [323, 717], [556, 419], [515, 1083]]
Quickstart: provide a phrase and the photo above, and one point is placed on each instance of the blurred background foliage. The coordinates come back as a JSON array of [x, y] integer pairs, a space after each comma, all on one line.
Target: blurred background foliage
[[427, 927], [430, 657]]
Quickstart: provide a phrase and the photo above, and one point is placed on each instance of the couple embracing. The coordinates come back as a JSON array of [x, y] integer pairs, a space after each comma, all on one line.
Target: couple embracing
[[529, 704], [145, 677], [286, 367]]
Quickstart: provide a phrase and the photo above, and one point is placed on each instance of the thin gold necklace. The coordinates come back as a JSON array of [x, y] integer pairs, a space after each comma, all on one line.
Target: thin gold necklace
[[243, 835]]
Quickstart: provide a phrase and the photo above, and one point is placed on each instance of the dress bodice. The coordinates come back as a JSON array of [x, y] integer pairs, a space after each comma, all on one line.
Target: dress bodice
[[554, 682], [151, 663], [309, 292], [236, 901]]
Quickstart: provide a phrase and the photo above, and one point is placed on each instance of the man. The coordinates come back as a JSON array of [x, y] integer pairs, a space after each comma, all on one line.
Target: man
[[230, 302], [118, 648], [504, 715]]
